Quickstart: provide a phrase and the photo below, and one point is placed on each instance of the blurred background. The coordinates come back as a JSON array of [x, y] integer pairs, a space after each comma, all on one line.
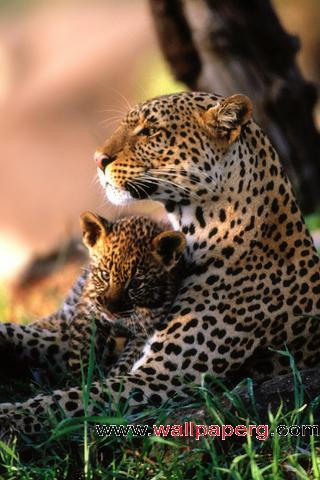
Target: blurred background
[[69, 70]]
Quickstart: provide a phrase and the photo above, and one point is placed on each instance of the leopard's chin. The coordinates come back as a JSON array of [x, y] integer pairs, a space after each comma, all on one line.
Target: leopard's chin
[[118, 196], [115, 195], [131, 192]]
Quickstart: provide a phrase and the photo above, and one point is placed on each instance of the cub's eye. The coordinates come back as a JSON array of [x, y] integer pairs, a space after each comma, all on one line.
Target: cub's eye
[[134, 283], [147, 132], [104, 275]]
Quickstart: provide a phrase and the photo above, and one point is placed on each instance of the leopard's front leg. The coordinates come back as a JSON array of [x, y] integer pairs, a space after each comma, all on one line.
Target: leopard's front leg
[[33, 416]]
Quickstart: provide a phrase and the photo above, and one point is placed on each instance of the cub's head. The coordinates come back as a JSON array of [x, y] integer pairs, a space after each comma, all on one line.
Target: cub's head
[[173, 147], [134, 264]]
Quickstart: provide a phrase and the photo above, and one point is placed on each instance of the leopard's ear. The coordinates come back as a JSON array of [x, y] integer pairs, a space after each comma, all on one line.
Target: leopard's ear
[[168, 247], [94, 228], [224, 120]]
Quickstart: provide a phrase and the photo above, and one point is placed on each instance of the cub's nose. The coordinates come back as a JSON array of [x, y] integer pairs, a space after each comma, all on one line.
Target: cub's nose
[[102, 160], [115, 306]]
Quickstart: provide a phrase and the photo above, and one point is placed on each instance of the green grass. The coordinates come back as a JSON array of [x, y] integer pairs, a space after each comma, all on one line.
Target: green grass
[[74, 450]]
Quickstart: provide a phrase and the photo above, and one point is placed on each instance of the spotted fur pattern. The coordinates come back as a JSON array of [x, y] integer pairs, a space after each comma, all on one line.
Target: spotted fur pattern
[[256, 281]]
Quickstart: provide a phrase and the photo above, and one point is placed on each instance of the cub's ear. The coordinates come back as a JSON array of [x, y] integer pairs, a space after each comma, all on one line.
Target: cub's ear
[[224, 120], [167, 248], [94, 228]]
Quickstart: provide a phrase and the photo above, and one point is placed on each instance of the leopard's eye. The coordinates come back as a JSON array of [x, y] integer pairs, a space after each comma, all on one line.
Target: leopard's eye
[[104, 275], [134, 283], [147, 132]]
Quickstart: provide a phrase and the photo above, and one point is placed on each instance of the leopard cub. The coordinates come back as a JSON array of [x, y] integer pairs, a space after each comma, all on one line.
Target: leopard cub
[[133, 277]]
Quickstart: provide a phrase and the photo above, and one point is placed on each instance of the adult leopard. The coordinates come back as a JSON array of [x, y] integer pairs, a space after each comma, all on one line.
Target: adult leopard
[[256, 281]]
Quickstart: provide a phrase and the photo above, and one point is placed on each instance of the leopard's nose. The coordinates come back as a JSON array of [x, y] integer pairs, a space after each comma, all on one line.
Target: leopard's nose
[[103, 160]]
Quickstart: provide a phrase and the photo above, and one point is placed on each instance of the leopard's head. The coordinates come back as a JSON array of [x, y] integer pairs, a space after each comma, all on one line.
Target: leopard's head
[[133, 263], [173, 148]]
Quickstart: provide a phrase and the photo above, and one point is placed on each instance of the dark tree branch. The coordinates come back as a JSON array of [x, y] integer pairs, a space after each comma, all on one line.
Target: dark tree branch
[[175, 40]]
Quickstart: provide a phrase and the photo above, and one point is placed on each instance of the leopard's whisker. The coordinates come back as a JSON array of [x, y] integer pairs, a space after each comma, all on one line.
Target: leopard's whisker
[[134, 188], [186, 190], [110, 121], [151, 179], [171, 172], [176, 171], [113, 110], [168, 179], [122, 97], [140, 185], [94, 181]]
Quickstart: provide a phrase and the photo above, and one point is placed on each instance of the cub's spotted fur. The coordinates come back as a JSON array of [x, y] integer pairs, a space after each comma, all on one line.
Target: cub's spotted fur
[[134, 275], [256, 283]]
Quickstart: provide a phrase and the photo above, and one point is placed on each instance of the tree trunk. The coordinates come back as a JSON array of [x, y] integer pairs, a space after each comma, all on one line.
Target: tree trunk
[[232, 46]]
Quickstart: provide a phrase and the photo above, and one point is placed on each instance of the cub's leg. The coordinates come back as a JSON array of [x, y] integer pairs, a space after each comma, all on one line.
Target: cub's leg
[[124, 343], [80, 332], [110, 339], [142, 327], [137, 330], [85, 324], [131, 353]]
